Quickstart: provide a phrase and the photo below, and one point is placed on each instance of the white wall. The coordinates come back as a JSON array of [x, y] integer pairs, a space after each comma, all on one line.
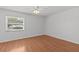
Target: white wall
[[33, 26], [64, 25]]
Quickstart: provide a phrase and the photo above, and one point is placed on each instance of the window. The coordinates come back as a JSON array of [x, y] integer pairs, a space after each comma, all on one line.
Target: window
[[14, 23]]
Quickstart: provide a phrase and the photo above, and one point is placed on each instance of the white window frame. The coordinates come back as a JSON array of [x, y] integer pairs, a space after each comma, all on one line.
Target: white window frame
[[7, 28]]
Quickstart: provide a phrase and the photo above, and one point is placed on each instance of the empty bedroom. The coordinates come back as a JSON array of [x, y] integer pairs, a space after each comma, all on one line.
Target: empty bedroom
[[39, 29]]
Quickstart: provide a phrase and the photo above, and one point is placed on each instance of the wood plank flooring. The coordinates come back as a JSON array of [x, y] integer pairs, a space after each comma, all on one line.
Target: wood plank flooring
[[42, 43]]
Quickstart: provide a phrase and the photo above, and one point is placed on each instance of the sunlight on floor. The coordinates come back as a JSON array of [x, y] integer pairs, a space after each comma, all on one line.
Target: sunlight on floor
[[19, 49]]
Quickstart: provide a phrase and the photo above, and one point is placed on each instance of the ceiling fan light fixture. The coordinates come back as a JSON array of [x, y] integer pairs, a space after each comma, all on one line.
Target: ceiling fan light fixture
[[36, 10]]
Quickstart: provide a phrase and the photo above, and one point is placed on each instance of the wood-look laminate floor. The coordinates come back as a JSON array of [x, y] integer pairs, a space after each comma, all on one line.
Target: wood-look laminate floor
[[39, 44]]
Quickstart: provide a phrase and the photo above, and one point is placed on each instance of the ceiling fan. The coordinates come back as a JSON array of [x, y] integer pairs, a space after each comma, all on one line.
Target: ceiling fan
[[36, 10]]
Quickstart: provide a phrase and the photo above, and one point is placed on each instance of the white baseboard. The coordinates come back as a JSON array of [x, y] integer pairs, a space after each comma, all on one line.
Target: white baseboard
[[38, 35], [20, 38], [62, 38]]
